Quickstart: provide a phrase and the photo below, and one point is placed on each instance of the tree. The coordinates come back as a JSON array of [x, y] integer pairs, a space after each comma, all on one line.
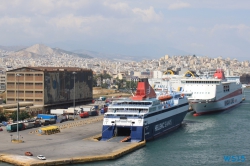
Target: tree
[[2, 117], [119, 83], [104, 85], [24, 115], [21, 116], [101, 77], [95, 80]]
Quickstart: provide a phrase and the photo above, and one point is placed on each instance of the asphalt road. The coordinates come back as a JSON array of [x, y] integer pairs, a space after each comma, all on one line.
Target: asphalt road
[[67, 144]]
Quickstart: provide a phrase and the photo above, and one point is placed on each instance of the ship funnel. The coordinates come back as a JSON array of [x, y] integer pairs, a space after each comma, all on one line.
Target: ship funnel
[[219, 74], [144, 90]]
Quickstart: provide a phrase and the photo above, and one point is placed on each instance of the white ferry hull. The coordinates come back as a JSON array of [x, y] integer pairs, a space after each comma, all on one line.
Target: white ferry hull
[[203, 106]]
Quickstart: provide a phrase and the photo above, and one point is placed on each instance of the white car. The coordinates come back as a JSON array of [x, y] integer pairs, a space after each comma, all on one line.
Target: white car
[[41, 157]]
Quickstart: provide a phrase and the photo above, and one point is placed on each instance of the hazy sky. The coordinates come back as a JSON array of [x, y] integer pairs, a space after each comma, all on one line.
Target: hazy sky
[[131, 27]]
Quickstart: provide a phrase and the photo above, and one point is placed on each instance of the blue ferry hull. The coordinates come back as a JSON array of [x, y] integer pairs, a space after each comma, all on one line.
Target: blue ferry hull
[[151, 130]]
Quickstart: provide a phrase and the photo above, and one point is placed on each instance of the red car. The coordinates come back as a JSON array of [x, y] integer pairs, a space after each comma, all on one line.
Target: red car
[[1, 129], [28, 154]]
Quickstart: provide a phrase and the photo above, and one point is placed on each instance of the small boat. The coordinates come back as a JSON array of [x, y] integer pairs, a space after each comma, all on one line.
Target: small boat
[[164, 97]]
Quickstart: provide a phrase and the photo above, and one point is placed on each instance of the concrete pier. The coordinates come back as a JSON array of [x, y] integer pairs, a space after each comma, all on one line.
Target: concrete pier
[[75, 143]]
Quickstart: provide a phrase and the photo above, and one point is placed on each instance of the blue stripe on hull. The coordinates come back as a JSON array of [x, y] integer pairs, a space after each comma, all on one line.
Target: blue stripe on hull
[[152, 130]]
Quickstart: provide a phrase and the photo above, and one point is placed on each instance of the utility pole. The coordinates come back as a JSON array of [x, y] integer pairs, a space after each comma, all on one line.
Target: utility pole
[[74, 73], [18, 75]]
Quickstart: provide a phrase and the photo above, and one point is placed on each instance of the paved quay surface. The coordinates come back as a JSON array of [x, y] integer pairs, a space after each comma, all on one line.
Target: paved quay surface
[[69, 146]]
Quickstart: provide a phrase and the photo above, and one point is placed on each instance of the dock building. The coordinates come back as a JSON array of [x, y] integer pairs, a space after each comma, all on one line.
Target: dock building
[[49, 87]]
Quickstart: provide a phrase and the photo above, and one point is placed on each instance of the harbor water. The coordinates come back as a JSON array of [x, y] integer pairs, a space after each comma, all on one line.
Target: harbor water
[[216, 139]]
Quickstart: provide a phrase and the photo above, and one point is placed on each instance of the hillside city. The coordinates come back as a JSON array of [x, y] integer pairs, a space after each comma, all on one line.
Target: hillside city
[[40, 55]]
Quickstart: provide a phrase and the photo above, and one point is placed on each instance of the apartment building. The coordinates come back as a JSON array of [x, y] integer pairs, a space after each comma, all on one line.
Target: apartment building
[[2, 81]]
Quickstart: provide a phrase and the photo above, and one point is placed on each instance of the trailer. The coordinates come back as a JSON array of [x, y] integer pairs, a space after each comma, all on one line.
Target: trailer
[[46, 116], [57, 111], [78, 110], [65, 111], [13, 127]]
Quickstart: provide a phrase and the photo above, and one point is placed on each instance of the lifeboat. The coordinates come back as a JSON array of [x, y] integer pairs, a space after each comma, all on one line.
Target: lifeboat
[[165, 97]]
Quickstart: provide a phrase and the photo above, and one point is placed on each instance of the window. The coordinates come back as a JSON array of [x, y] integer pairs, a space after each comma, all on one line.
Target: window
[[38, 100]]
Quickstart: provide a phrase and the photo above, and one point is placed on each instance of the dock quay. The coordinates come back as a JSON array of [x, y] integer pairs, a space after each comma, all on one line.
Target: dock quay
[[77, 142]]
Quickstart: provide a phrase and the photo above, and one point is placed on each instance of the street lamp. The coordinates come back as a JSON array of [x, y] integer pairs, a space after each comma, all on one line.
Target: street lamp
[[130, 84], [74, 73], [18, 75]]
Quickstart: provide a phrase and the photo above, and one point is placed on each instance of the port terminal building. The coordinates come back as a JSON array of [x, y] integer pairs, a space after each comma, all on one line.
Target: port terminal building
[[47, 88]]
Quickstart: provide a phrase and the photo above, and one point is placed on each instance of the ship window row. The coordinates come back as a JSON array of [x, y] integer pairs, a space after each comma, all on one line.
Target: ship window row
[[201, 82], [201, 92], [119, 115], [132, 103], [126, 110]]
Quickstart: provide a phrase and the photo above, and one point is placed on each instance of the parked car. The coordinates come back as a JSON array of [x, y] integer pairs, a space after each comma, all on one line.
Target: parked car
[[41, 157], [28, 154], [1, 129]]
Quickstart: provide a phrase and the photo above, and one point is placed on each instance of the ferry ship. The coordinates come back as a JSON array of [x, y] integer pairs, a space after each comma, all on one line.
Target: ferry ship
[[145, 116], [213, 94]]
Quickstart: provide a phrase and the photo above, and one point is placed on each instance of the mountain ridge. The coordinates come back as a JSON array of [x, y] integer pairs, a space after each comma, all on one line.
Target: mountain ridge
[[39, 50]]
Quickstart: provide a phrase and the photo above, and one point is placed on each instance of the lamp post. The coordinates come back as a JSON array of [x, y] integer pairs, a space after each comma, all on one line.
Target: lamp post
[[18, 75], [74, 73], [130, 84]]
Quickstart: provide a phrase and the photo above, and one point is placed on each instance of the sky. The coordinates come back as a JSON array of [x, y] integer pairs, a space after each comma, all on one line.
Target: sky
[[131, 27]]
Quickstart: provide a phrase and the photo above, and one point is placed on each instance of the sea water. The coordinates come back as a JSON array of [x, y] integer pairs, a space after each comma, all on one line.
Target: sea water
[[215, 139]]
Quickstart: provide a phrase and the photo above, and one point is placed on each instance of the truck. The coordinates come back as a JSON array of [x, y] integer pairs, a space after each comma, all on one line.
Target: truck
[[29, 125], [46, 116], [61, 118], [92, 110], [102, 98], [13, 127], [84, 114], [78, 109], [57, 111], [65, 111]]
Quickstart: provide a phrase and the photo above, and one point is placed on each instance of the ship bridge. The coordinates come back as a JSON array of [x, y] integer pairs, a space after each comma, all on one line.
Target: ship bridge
[[191, 73]]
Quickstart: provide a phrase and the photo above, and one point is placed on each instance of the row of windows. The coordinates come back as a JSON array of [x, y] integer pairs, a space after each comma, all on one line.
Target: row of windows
[[39, 75], [132, 103], [201, 82], [27, 83], [36, 100], [22, 83], [201, 92], [127, 109], [12, 92]]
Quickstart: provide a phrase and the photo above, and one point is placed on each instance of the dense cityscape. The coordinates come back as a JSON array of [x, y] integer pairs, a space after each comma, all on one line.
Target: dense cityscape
[[12, 60]]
